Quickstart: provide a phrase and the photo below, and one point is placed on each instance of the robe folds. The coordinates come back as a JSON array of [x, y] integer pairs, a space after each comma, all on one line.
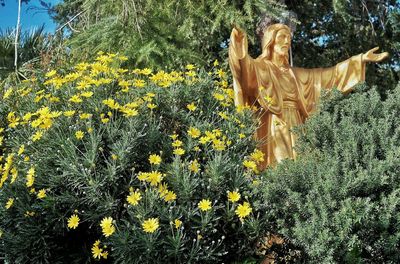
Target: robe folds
[[285, 97]]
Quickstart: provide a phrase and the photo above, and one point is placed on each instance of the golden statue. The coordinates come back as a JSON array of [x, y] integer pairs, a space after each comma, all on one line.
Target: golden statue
[[285, 95]]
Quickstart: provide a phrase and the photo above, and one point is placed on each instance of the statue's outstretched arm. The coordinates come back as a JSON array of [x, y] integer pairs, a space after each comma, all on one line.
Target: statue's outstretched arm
[[242, 67], [239, 42], [370, 56]]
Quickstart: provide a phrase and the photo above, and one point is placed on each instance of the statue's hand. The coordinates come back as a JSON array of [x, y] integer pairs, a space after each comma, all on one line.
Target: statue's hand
[[238, 34], [238, 42], [370, 56]]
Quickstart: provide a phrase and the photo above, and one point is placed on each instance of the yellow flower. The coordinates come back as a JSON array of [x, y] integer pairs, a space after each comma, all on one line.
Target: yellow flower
[[233, 196], [223, 115], [85, 116], [41, 194], [104, 254], [177, 223], [107, 226], [215, 63], [21, 149], [87, 94], [257, 156], [29, 214], [124, 84], [268, 99], [251, 165], [221, 73], [75, 99], [139, 83], [73, 221], [190, 67], [191, 107], [179, 151], [241, 135], [27, 117], [173, 136], [79, 134], [9, 203], [143, 176], [96, 250], [154, 178], [134, 197], [243, 210], [151, 106], [69, 113], [177, 143], [30, 177], [12, 119], [155, 159], [150, 225], [194, 132], [129, 112], [146, 71], [190, 73], [14, 174], [204, 140], [51, 73], [7, 93], [218, 145], [114, 157], [170, 196], [162, 189], [194, 166], [38, 135], [219, 96], [111, 103], [204, 205]]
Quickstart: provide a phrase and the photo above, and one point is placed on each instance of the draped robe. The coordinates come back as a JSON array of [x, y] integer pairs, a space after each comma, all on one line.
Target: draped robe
[[285, 98]]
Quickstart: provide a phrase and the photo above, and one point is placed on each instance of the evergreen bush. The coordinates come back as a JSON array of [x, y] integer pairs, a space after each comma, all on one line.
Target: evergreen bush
[[340, 201], [102, 163]]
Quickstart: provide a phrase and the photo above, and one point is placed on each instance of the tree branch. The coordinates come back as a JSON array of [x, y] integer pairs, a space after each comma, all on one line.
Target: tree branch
[[69, 22], [17, 35]]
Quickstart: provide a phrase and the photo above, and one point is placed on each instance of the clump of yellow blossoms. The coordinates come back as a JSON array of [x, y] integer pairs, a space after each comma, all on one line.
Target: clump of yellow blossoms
[[139, 144], [98, 252], [107, 226]]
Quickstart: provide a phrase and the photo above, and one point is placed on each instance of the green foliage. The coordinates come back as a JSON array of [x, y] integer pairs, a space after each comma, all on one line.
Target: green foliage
[[340, 200], [334, 30], [125, 116], [34, 49], [160, 33]]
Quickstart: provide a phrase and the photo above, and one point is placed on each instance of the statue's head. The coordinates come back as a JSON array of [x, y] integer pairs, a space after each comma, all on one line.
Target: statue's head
[[277, 39]]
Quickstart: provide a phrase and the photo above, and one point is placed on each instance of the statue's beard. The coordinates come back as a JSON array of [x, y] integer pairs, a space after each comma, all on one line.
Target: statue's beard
[[284, 59]]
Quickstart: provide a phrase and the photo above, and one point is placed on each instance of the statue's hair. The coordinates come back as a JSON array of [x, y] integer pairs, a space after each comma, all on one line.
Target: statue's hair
[[269, 38]]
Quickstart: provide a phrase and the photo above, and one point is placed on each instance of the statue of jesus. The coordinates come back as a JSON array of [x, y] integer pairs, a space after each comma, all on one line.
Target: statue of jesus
[[285, 95]]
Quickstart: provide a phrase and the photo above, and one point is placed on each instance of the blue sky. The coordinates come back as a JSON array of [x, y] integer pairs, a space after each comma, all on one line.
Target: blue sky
[[30, 19]]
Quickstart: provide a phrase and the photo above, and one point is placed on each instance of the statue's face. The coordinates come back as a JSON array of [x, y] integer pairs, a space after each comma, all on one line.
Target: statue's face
[[282, 42]]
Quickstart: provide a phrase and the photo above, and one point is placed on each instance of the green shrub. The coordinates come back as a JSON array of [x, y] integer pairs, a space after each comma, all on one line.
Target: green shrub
[[98, 162], [340, 201]]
